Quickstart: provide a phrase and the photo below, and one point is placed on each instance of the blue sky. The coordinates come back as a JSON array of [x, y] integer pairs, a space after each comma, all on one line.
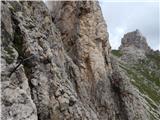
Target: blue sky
[[123, 16]]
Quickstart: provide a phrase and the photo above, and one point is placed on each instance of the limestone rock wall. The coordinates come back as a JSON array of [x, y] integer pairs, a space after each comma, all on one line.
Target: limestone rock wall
[[134, 47], [56, 64], [135, 39]]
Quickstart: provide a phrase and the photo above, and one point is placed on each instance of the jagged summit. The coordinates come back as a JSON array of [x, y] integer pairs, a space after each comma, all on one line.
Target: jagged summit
[[134, 46], [137, 31], [142, 66], [134, 39]]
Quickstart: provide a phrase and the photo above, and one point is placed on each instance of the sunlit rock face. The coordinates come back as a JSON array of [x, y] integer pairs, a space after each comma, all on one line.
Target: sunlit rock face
[[56, 65]]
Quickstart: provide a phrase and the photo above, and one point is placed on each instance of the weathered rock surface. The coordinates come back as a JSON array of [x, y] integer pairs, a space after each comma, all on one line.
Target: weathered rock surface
[[64, 70], [135, 39], [134, 46]]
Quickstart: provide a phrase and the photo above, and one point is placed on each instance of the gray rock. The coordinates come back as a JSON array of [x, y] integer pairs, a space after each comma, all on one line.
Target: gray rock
[[68, 76], [134, 47]]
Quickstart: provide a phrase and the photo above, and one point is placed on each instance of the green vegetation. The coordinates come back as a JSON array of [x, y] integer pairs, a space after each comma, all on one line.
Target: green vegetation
[[145, 75], [143, 81], [117, 53], [155, 57], [151, 103], [149, 68]]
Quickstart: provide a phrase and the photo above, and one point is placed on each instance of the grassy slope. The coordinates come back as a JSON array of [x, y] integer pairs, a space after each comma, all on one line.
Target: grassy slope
[[117, 53], [145, 75]]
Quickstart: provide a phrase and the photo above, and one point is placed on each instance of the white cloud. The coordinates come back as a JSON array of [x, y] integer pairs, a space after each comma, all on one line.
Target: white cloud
[[123, 17]]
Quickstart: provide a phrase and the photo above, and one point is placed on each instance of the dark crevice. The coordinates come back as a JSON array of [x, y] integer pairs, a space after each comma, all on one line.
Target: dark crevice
[[18, 37], [22, 59], [116, 81], [28, 62]]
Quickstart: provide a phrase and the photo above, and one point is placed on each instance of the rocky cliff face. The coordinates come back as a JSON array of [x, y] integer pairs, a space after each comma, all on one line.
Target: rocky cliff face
[[134, 46], [141, 65], [56, 65], [135, 39]]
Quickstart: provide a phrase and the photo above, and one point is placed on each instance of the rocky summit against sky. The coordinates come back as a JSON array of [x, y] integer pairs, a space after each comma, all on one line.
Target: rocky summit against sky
[[124, 16]]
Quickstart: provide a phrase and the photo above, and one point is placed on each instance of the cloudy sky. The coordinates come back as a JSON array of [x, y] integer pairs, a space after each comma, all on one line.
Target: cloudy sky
[[123, 16]]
